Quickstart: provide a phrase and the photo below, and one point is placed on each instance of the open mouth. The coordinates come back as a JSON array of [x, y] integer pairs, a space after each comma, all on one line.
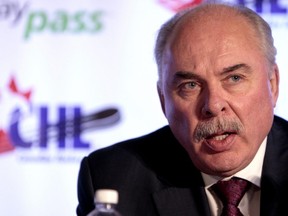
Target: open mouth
[[219, 137], [220, 142]]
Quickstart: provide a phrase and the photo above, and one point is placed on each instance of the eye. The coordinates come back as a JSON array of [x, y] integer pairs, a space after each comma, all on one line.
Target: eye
[[189, 88], [190, 85], [235, 78]]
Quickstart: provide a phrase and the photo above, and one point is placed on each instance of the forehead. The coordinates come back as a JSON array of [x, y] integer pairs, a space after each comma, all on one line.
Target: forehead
[[212, 33], [212, 25]]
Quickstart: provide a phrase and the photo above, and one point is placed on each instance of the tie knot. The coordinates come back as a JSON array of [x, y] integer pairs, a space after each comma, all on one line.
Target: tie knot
[[231, 191]]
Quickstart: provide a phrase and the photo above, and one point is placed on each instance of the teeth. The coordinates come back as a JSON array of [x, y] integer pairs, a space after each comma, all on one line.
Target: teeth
[[220, 137]]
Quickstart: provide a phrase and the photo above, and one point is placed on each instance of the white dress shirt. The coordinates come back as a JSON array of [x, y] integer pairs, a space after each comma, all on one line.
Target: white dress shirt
[[250, 203]]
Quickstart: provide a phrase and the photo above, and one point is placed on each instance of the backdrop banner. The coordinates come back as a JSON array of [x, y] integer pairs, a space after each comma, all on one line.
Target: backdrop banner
[[78, 76]]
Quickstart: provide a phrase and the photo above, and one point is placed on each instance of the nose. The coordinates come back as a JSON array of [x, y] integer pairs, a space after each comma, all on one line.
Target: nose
[[214, 103]]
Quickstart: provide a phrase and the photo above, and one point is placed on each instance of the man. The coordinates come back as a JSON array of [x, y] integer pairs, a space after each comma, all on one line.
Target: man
[[218, 86]]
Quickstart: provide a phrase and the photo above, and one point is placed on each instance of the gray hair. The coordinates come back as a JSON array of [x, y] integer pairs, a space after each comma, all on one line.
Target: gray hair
[[261, 27]]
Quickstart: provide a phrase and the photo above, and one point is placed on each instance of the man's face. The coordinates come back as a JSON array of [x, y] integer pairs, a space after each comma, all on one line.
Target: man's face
[[218, 93]]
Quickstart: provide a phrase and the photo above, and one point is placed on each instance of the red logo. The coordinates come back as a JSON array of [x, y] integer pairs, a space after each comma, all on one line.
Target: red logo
[[5, 141], [14, 89], [66, 131], [177, 5]]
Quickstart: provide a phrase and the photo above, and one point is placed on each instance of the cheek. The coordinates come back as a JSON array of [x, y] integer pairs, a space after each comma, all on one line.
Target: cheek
[[258, 99], [182, 120], [256, 114], [262, 102]]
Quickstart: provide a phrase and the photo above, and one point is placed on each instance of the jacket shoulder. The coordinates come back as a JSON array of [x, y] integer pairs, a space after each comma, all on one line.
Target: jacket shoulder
[[280, 121], [280, 127], [151, 155], [155, 139]]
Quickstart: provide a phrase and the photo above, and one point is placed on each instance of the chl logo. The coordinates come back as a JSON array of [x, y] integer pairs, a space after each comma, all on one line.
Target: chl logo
[[66, 131]]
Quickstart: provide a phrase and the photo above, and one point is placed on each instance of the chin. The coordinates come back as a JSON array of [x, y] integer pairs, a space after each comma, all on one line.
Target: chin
[[223, 167]]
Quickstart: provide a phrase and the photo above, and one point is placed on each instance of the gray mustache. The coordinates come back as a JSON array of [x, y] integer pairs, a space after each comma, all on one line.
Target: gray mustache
[[207, 128]]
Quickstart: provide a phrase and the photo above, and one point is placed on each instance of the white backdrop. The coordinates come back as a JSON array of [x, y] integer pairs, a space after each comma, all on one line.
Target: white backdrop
[[62, 63]]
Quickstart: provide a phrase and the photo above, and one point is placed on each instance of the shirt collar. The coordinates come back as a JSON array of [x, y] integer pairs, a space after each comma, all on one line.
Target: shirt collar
[[251, 173]]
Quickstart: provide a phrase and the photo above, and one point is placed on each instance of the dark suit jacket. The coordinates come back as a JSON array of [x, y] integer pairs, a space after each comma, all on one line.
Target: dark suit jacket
[[154, 176]]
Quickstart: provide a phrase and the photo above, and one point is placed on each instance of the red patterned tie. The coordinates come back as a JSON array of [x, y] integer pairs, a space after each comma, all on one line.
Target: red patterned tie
[[230, 193]]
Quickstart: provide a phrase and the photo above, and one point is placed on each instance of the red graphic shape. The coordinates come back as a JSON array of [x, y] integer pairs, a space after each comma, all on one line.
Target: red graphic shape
[[178, 5], [5, 143], [14, 89]]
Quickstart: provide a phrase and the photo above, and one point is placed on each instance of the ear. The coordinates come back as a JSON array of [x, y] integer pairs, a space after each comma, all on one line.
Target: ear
[[161, 97], [274, 83]]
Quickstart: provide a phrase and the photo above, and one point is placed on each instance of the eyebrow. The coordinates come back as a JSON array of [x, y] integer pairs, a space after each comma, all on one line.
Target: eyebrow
[[185, 75], [236, 67]]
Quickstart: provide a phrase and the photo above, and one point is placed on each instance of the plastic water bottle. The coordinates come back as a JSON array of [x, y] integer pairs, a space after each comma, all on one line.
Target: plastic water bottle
[[105, 203]]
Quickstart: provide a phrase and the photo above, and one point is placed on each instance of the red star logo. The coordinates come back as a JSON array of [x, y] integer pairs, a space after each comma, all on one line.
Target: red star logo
[[14, 89]]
